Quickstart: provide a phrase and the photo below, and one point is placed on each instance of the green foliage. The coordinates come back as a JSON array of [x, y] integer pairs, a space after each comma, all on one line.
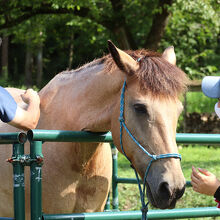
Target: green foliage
[[194, 31], [198, 102]]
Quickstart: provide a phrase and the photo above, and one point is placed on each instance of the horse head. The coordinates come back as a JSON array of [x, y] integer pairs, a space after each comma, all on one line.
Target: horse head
[[150, 110]]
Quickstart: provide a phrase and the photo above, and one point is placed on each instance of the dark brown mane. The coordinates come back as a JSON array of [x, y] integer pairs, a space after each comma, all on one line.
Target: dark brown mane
[[155, 74]]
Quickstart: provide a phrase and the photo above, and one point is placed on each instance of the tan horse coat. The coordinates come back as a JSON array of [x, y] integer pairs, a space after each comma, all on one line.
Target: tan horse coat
[[77, 176]]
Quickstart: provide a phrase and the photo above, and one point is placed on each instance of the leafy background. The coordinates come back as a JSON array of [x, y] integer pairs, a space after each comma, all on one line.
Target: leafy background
[[48, 36]]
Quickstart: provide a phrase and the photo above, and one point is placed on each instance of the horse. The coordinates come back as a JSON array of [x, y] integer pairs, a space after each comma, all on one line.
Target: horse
[[77, 176]]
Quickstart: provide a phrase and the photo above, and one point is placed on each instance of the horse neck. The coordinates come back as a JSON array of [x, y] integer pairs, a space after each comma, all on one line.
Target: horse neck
[[80, 101]]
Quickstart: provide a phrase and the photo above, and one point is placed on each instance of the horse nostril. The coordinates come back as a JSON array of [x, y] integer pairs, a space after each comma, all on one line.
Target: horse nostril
[[164, 191], [180, 192]]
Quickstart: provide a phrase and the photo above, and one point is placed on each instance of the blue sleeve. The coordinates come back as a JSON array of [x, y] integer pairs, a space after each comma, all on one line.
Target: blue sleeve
[[8, 106]]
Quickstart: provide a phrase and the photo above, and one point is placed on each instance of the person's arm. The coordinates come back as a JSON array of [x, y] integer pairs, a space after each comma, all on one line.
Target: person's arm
[[205, 182], [27, 119]]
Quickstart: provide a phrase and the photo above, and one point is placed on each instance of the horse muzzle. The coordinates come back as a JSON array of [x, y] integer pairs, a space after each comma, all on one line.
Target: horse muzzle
[[165, 196]]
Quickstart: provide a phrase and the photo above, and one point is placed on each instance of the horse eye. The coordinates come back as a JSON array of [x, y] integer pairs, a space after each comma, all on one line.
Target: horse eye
[[140, 108]]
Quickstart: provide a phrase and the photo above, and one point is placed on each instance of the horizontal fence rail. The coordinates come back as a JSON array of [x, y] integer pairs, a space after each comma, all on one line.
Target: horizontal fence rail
[[136, 215], [11, 138], [68, 136], [189, 138], [84, 136]]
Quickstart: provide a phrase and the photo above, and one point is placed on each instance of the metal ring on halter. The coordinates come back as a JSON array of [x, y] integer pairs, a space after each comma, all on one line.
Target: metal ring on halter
[[153, 157], [121, 119]]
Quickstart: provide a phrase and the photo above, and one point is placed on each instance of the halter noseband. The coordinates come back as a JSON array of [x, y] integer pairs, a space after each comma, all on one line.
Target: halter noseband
[[144, 208]]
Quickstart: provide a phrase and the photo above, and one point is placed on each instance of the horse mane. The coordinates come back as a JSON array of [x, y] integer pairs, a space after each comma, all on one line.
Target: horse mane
[[93, 63], [155, 74]]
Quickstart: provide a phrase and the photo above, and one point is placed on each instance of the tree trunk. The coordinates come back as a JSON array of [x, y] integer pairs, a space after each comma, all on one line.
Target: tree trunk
[[120, 29], [124, 38], [121, 37], [159, 23], [39, 65], [184, 113], [4, 60], [28, 65]]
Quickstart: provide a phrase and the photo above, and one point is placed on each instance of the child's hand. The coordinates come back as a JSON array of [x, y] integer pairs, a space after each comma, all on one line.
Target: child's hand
[[204, 181]]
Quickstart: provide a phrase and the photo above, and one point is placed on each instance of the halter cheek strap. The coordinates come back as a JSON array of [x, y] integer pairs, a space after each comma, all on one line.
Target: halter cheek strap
[[144, 208]]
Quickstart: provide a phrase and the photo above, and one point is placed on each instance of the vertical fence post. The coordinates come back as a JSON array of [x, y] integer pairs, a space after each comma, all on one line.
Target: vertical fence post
[[114, 178], [18, 172], [107, 204], [36, 179]]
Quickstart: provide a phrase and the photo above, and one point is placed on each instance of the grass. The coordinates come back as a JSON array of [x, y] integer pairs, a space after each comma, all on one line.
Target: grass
[[198, 156]]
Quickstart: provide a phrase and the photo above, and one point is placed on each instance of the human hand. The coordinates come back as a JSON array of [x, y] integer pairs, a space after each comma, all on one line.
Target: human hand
[[204, 181], [30, 96]]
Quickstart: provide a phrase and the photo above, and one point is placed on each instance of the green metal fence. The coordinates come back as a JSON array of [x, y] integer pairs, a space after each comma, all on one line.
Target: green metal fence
[[34, 160], [17, 140]]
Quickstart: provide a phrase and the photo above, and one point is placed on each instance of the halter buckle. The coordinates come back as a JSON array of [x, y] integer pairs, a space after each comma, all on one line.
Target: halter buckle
[[144, 209], [121, 119]]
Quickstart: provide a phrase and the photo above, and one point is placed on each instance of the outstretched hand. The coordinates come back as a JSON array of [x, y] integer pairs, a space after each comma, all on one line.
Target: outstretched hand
[[204, 181]]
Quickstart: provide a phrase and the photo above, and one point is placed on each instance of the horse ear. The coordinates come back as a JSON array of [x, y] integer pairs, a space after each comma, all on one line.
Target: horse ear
[[169, 55], [124, 61]]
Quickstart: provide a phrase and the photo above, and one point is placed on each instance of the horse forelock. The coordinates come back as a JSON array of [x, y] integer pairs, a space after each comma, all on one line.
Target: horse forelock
[[155, 74]]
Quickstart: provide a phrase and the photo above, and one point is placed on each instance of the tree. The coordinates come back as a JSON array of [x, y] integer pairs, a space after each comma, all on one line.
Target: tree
[[69, 33], [111, 14], [194, 29]]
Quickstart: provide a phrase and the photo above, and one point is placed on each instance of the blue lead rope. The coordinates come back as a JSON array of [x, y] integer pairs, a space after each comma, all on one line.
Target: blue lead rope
[[144, 208]]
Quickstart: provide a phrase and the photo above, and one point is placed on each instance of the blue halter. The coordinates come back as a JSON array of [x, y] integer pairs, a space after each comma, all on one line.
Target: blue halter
[[144, 208]]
